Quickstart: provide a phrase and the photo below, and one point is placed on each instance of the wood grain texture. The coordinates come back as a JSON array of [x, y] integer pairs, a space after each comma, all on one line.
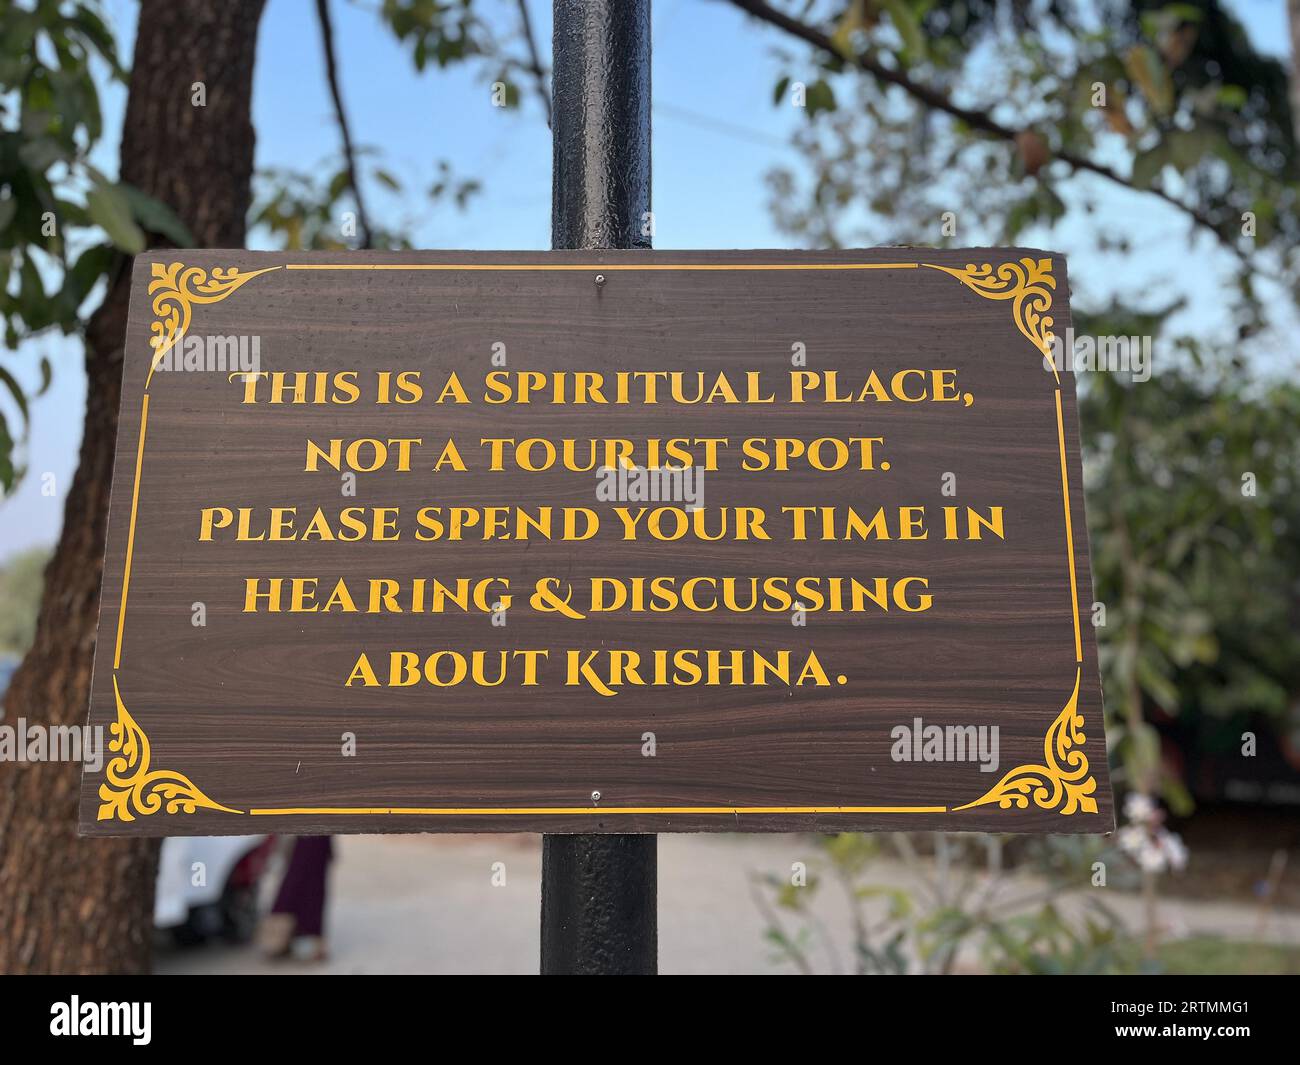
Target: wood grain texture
[[251, 708]]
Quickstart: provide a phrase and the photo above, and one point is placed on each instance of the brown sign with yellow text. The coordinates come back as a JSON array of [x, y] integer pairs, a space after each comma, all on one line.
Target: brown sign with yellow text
[[597, 542]]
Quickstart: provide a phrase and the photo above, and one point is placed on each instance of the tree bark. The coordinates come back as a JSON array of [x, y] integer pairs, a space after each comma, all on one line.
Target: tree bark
[[69, 904]]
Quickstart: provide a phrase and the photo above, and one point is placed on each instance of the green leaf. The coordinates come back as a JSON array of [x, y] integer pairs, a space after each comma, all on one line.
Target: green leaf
[[11, 383], [156, 217], [1156, 684], [909, 29], [853, 20], [819, 97], [338, 184], [1147, 165], [91, 265], [8, 475], [111, 210], [1232, 96], [1177, 797], [1147, 69], [41, 153]]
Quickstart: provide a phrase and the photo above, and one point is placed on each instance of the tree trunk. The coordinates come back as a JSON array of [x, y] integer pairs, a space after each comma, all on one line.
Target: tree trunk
[[69, 904]]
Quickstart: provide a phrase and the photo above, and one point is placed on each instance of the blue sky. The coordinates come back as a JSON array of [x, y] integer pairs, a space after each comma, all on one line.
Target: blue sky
[[716, 133]]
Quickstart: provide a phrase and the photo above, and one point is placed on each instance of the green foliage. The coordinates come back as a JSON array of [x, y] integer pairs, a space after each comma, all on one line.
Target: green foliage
[[55, 208], [1175, 92], [1194, 517], [1046, 943], [63, 222], [21, 579], [953, 909], [1200, 581], [444, 32], [300, 211], [438, 31], [449, 187], [1209, 954]]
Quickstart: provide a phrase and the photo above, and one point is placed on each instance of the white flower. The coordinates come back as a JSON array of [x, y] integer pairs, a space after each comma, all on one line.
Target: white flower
[[1151, 858], [1131, 839], [1151, 846], [1139, 807], [1175, 850]]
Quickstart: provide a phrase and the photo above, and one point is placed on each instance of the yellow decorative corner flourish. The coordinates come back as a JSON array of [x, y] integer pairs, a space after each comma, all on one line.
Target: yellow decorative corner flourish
[[132, 788], [1062, 783], [1029, 284], [175, 288]]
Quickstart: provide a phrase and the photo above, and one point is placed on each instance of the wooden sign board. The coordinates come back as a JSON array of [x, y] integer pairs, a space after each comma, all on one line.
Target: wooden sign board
[[597, 542]]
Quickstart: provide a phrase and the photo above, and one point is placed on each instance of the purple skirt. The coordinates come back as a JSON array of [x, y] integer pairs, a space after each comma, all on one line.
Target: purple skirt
[[302, 892]]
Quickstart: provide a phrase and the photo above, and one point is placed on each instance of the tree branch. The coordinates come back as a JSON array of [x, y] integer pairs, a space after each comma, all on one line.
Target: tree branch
[[349, 153], [535, 63], [979, 120]]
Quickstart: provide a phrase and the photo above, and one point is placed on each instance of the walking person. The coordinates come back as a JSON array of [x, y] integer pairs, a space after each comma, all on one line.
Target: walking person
[[296, 925]]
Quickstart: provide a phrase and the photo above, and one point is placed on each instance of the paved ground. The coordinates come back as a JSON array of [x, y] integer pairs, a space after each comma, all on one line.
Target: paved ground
[[424, 904]]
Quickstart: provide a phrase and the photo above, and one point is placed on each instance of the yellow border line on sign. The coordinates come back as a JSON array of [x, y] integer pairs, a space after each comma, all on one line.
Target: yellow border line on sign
[[488, 811], [130, 535], [603, 266], [1069, 529], [1012, 281]]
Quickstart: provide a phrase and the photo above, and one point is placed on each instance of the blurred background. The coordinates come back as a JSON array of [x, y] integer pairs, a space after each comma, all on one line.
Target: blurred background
[[1153, 143]]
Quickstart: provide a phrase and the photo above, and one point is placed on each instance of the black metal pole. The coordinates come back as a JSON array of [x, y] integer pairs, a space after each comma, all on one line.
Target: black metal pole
[[599, 904], [600, 185]]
